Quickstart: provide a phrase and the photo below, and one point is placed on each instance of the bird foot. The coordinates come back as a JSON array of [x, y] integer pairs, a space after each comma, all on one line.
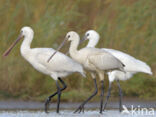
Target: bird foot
[[80, 109], [47, 105], [104, 108], [120, 110]]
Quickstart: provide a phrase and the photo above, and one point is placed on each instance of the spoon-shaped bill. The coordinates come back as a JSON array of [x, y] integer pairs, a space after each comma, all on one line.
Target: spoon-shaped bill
[[61, 45], [12, 45]]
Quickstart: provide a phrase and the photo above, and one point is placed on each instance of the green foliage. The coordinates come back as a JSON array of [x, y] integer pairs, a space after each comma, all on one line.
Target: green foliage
[[124, 25]]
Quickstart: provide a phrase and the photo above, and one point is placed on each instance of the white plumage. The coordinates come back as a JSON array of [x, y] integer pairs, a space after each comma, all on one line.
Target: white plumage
[[93, 59], [132, 65], [59, 67], [96, 60]]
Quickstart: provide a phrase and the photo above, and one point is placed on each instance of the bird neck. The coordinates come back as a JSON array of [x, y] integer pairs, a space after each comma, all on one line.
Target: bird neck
[[73, 49], [26, 44], [92, 42]]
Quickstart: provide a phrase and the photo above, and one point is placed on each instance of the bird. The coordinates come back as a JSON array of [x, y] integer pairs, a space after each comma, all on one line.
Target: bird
[[94, 60], [132, 65], [60, 67]]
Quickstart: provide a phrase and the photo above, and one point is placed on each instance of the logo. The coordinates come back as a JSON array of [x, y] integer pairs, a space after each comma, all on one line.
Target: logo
[[138, 110]]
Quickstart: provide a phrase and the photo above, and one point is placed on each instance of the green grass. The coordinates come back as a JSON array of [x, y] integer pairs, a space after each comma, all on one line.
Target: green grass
[[124, 25]]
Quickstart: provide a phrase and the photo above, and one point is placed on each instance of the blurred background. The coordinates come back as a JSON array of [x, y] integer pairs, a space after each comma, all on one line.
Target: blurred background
[[126, 25]]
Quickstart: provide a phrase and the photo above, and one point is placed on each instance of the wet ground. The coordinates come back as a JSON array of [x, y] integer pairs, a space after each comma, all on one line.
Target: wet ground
[[32, 105], [69, 113], [35, 109]]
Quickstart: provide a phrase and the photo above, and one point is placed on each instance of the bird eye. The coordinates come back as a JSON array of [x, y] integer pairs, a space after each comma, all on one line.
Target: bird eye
[[87, 34], [68, 36]]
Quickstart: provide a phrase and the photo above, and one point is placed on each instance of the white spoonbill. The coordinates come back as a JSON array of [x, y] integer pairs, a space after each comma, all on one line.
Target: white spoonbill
[[60, 67], [132, 65], [93, 59]]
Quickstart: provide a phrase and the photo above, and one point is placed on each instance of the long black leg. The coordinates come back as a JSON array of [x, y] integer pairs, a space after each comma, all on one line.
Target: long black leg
[[102, 95], [108, 95], [49, 98], [59, 96], [63, 83], [120, 94], [81, 107]]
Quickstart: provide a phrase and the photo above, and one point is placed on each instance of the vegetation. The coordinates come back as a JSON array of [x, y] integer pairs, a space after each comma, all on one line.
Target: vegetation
[[126, 25]]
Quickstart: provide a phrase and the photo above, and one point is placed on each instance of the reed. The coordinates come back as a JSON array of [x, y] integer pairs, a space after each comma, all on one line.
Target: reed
[[124, 25]]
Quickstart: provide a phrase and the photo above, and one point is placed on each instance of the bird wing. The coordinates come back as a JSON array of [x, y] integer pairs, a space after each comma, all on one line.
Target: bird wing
[[59, 63], [104, 60], [131, 64]]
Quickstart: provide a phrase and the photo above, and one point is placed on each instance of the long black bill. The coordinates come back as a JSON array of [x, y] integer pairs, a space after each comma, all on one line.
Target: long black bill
[[12, 45], [57, 49]]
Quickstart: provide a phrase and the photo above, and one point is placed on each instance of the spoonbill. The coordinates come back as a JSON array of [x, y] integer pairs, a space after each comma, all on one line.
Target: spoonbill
[[132, 65], [60, 67], [93, 59]]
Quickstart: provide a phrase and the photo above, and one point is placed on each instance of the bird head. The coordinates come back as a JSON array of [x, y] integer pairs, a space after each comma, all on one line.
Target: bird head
[[92, 36], [25, 32], [71, 36]]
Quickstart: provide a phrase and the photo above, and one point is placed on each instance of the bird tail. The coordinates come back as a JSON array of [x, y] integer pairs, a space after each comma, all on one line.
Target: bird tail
[[83, 74], [143, 67]]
